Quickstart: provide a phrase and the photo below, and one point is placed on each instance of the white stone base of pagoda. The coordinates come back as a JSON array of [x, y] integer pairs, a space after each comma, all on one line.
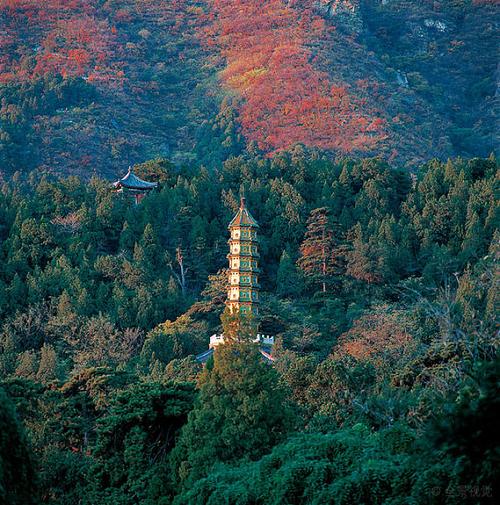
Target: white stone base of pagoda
[[216, 340]]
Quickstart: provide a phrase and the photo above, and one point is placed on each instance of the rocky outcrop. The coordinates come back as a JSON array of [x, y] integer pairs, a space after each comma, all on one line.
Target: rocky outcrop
[[345, 14]]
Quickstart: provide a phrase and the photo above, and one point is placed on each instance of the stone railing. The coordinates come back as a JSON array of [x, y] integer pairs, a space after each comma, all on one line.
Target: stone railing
[[216, 340], [264, 339]]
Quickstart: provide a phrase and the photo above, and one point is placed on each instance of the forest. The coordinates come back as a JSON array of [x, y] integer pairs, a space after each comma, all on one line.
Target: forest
[[384, 388]]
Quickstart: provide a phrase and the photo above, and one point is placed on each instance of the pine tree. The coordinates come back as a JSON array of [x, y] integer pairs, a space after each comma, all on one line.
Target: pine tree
[[474, 243], [362, 260], [288, 281], [317, 259], [47, 369], [241, 412], [16, 293], [27, 365]]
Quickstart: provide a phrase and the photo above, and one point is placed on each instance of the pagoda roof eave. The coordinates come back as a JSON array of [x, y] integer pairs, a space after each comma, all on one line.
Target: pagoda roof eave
[[243, 218]]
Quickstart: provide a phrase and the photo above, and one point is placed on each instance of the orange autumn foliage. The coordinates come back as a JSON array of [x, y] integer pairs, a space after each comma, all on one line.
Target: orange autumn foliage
[[67, 37], [269, 54], [380, 338], [74, 37]]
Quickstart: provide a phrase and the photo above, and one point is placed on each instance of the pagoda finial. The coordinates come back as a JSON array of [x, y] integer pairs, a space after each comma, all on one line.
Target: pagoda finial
[[243, 202]]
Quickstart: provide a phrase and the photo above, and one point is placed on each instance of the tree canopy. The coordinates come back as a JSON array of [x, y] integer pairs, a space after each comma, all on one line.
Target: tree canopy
[[379, 286]]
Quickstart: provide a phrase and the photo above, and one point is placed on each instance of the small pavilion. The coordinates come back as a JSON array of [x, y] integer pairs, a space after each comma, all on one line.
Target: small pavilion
[[134, 186]]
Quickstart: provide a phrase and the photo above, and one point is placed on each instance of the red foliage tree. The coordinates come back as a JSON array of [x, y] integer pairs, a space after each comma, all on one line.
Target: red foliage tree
[[382, 338]]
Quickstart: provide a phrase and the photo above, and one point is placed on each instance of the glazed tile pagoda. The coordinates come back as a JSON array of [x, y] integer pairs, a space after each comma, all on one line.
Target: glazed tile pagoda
[[243, 279], [243, 285]]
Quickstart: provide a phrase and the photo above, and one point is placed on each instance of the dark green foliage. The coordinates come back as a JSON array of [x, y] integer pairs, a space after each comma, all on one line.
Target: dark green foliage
[[338, 385], [388, 372], [288, 281], [468, 429], [133, 441], [20, 141], [351, 466], [17, 473], [356, 465], [175, 340], [241, 413]]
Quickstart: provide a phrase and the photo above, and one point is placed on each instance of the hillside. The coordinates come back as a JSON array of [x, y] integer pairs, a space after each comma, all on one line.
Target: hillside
[[91, 86], [386, 369]]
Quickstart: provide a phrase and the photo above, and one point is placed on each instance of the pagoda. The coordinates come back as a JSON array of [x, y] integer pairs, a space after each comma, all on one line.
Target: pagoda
[[243, 279], [134, 186], [243, 285]]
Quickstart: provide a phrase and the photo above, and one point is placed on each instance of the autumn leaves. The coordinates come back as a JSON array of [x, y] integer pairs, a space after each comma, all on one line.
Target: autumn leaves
[[269, 51]]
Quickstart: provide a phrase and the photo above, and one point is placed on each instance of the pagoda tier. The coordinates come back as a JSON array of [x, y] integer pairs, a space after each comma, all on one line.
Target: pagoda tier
[[243, 289]]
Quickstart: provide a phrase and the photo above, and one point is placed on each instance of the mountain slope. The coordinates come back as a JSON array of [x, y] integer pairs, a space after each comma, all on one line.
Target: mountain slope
[[91, 86]]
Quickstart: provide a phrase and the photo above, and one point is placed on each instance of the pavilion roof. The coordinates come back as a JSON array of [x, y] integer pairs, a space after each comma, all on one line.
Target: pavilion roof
[[243, 217], [131, 181]]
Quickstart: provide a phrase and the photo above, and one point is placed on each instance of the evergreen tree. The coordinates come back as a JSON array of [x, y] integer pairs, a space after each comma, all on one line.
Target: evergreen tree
[[363, 258], [27, 365], [47, 369], [241, 413], [317, 259], [288, 281], [17, 474]]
